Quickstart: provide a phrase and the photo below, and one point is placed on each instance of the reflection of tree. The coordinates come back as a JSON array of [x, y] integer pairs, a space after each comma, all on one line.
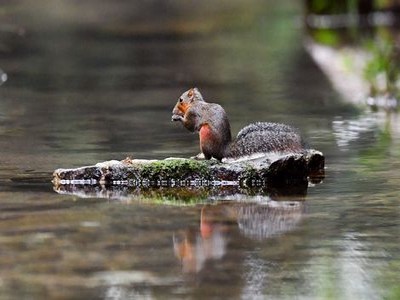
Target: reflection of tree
[[380, 132], [218, 223]]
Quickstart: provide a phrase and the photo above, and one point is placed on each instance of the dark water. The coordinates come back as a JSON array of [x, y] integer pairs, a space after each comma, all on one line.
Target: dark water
[[79, 92]]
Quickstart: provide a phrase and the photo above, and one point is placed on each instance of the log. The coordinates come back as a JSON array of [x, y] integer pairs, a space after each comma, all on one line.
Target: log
[[270, 169]]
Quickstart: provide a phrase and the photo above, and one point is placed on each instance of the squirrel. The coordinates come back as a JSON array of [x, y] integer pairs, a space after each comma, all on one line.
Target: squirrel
[[211, 121]]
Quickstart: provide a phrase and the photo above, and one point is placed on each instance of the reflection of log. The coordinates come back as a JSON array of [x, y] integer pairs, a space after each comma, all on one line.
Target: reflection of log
[[189, 194], [287, 169]]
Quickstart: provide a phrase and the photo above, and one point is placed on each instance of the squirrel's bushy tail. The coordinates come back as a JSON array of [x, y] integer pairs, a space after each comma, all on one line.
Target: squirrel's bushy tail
[[262, 137]]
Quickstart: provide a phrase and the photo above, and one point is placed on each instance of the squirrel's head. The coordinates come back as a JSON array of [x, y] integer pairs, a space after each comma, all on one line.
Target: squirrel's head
[[185, 100]]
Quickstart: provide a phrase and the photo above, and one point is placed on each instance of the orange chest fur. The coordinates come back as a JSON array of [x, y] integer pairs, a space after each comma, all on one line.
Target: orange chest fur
[[206, 134]]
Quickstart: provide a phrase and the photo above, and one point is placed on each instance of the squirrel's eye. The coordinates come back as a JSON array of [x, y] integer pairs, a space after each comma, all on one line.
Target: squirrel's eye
[[180, 99]]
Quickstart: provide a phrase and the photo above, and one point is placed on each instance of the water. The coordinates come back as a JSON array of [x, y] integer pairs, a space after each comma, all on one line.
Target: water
[[78, 93]]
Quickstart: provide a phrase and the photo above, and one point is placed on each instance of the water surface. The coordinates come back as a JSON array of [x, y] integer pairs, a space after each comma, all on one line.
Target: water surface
[[80, 94]]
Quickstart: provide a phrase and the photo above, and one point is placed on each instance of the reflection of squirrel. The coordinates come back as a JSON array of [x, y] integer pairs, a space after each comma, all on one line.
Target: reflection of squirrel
[[212, 123], [220, 223]]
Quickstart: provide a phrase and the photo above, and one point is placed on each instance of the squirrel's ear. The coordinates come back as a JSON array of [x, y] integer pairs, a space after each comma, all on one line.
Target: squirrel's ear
[[190, 93], [197, 94]]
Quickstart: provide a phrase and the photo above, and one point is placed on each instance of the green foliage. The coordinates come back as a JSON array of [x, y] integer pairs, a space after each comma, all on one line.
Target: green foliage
[[382, 70], [328, 37], [328, 6]]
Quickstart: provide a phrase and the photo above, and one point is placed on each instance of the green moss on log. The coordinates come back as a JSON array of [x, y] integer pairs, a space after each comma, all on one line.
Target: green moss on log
[[182, 169]]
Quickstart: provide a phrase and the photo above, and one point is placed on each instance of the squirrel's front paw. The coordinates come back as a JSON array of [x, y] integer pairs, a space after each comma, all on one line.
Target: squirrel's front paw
[[199, 156]]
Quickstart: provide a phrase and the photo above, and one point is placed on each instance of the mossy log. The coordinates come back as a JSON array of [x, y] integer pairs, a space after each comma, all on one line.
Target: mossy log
[[271, 169]]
